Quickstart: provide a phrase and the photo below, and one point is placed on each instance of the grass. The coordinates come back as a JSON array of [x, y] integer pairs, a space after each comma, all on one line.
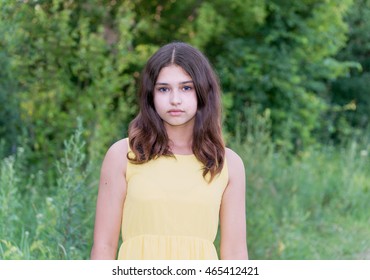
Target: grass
[[313, 206], [310, 206]]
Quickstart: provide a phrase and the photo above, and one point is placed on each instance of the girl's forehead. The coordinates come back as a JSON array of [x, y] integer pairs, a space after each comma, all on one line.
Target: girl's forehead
[[173, 73]]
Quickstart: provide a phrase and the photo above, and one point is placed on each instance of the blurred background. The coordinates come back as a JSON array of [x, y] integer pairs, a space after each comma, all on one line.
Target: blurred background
[[295, 77]]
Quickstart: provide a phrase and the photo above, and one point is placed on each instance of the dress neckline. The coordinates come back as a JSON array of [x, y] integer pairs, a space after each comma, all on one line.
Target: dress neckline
[[185, 155]]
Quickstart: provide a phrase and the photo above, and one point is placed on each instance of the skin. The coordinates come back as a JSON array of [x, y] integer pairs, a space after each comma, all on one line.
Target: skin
[[111, 197], [176, 103]]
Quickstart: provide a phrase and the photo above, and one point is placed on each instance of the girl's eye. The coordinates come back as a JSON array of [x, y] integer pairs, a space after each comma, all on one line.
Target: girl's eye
[[162, 89], [187, 88]]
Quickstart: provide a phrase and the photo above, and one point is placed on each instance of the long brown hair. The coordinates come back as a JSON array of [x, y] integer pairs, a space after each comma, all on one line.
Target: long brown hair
[[147, 134]]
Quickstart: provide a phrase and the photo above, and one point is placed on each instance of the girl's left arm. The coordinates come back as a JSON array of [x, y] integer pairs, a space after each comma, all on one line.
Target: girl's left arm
[[233, 243]]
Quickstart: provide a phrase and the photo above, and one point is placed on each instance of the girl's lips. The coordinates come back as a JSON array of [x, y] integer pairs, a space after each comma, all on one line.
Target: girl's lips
[[175, 112]]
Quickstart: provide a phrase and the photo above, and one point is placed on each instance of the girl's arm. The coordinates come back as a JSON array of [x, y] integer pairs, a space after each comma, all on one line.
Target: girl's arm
[[233, 243], [111, 196]]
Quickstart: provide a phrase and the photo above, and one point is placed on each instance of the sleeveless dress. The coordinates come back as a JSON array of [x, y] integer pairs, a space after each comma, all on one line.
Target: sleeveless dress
[[171, 212]]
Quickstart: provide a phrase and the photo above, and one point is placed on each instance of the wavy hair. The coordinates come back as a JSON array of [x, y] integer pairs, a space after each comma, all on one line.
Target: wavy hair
[[147, 134]]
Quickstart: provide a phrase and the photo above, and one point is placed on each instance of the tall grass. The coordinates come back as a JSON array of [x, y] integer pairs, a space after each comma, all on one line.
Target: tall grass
[[48, 222], [315, 205], [311, 206]]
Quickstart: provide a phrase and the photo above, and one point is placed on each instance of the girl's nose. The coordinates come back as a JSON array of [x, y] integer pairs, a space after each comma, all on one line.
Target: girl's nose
[[175, 98]]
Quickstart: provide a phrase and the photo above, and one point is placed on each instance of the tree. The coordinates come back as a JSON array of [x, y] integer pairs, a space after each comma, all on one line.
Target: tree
[[350, 94], [70, 59], [65, 59], [280, 57]]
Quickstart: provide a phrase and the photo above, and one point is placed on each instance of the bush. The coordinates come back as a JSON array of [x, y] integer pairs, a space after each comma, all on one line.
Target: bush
[[48, 225]]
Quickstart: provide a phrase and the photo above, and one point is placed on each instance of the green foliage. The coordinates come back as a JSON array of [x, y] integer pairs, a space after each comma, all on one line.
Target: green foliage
[[314, 206], [9, 109], [54, 225], [63, 219], [352, 92], [71, 59], [9, 196], [282, 62], [309, 207], [82, 58], [294, 74]]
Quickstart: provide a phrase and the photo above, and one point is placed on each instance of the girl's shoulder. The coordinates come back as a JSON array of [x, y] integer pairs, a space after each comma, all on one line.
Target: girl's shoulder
[[119, 147], [116, 156], [232, 157], [235, 164]]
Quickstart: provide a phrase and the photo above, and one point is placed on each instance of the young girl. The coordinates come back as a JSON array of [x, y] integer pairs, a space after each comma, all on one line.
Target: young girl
[[167, 185]]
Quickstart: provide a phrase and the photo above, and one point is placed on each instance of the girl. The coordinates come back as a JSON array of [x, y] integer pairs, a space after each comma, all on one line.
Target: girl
[[167, 185]]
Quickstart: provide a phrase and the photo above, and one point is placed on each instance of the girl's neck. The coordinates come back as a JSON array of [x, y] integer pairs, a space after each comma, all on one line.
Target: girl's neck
[[181, 140]]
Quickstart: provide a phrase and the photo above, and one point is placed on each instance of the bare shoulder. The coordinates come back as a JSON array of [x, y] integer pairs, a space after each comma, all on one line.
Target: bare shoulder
[[119, 146], [116, 155], [233, 159], [235, 166]]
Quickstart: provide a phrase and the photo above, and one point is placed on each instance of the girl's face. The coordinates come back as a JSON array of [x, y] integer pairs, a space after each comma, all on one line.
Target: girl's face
[[175, 99]]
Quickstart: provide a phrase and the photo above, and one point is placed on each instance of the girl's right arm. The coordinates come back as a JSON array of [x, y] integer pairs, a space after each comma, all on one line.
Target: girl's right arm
[[111, 197]]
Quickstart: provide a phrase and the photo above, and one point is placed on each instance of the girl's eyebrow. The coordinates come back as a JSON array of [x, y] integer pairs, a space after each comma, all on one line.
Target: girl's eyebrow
[[181, 83]]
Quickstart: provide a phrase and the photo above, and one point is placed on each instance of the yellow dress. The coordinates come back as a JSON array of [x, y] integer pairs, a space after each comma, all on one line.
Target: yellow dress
[[170, 211]]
